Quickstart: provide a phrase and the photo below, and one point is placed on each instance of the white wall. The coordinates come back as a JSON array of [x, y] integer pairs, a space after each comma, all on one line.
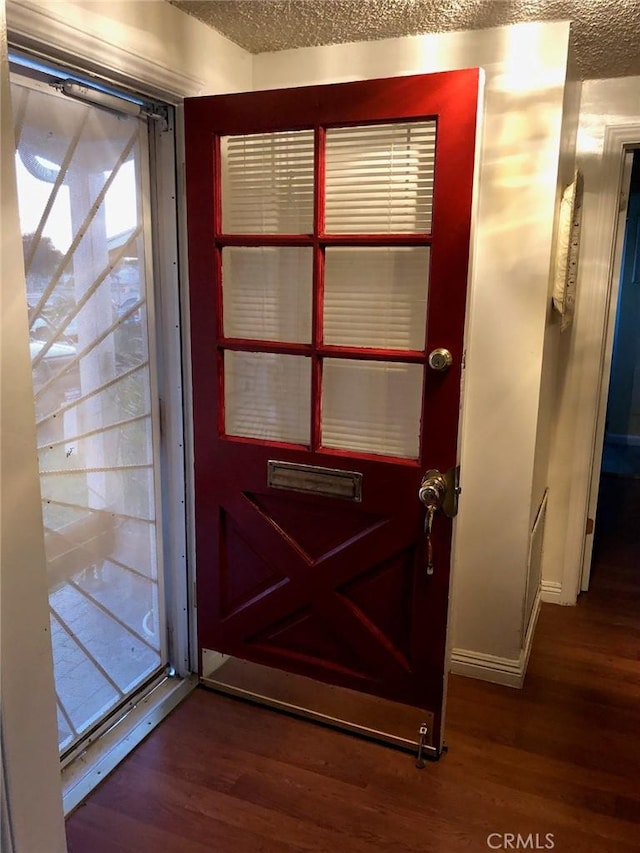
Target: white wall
[[525, 70], [28, 713], [163, 49], [556, 349], [605, 104], [554, 339]]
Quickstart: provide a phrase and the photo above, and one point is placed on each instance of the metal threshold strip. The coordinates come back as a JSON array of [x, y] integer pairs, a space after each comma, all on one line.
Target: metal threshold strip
[[118, 737], [368, 716]]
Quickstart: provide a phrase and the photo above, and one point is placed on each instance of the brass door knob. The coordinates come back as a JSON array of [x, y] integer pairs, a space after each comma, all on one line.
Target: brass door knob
[[440, 359]]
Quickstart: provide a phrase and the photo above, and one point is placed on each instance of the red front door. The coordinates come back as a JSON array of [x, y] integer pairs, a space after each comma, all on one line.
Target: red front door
[[329, 236]]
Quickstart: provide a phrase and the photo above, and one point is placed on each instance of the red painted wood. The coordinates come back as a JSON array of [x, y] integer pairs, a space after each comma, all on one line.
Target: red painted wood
[[338, 614], [219, 367], [337, 105], [218, 315], [418, 239], [356, 456], [284, 347], [318, 289], [266, 240], [327, 350], [319, 177], [373, 354], [316, 397]]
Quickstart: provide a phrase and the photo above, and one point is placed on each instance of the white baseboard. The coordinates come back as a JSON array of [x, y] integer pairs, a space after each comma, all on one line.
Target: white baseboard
[[509, 672], [486, 667], [528, 637], [551, 592]]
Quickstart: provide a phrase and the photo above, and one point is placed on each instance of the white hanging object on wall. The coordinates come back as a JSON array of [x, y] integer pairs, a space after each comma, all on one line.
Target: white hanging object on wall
[[567, 251]]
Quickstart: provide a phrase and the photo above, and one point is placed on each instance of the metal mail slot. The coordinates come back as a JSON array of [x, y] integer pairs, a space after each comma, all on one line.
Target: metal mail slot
[[331, 482]]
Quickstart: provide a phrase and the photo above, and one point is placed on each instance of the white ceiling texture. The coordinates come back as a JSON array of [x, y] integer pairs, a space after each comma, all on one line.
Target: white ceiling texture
[[605, 33]]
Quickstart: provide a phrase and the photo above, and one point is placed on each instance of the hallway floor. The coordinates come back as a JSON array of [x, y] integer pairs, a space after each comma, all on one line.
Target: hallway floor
[[560, 757]]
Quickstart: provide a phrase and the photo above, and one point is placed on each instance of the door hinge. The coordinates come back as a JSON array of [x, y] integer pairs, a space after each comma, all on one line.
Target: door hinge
[[194, 601], [590, 526]]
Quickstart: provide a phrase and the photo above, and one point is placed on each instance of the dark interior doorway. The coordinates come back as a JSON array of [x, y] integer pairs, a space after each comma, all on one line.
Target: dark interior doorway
[[617, 532]]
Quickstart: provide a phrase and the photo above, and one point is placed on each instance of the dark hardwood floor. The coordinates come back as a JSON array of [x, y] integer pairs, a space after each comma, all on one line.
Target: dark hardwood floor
[[562, 756]]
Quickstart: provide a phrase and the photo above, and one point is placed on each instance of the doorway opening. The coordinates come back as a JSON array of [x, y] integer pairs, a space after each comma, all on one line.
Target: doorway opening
[[616, 547], [90, 196]]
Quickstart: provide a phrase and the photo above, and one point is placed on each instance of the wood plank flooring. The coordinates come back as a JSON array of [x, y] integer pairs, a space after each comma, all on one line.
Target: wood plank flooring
[[562, 756]]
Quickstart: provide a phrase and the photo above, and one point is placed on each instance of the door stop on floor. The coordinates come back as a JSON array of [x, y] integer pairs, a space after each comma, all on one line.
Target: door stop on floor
[[423, 731]]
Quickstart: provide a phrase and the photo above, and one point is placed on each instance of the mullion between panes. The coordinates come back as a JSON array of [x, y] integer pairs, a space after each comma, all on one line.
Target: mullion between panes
[[328, 351], [219, 335], [218, 284], [318, 287], [327, 240], [317, 337]]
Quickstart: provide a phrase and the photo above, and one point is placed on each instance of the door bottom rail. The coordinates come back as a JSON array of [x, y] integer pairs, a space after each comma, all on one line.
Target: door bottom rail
[[392, 723]]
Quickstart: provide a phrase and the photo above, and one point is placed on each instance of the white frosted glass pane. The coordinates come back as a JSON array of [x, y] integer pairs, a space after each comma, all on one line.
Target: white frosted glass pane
[[267, 293], [268, 396], [379, 178], [267, 183], [372, 406], [376, 297]]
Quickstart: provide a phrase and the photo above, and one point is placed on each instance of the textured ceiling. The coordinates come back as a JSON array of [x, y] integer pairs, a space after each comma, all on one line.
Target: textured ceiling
[[606, 33]]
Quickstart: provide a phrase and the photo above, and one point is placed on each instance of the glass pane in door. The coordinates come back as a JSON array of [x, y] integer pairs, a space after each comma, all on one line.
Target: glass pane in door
[[379, 178], [267, 395], [376, 297], [82, 183], [267, 183], [372, 406], [267, 293]]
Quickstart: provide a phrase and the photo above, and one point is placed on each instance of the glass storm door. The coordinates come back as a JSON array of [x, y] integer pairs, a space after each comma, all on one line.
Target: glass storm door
[[328, 242], [83, 191]]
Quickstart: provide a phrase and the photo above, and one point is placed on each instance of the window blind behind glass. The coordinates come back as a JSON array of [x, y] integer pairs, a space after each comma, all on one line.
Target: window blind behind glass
[[376, 297], [267, 183], [267, 396], [372, 406], [267, 293], [379, 178]]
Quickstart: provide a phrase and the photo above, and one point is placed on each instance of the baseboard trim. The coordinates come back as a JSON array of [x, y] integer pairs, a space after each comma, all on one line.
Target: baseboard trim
[[528, 638], [497, 670], [551, 592], [509, 672]]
